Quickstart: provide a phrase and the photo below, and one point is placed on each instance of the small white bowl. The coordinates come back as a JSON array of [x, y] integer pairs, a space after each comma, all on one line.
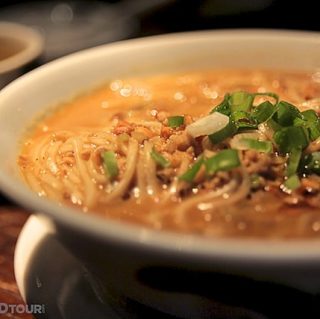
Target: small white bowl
[[19, 46], [118, 253]]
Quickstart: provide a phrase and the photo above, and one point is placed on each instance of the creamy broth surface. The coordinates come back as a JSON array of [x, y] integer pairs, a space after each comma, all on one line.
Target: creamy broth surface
[[62, 157]]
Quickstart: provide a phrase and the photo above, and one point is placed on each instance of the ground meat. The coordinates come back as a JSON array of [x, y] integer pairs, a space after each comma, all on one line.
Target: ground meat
[[177, 157], [256, 162], [313, 201], [314, 146], [162, 116], [308, 194], [166, 132], [166, 175], [123, 127], [141, 133], [217, 181], [310, 184], [266, 165], [181, 141]]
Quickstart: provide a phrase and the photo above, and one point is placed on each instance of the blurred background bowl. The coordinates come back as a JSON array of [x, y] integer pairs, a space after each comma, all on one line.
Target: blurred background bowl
[[20, 46]]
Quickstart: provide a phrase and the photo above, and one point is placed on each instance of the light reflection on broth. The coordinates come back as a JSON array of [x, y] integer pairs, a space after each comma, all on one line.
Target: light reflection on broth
[[126, 121]]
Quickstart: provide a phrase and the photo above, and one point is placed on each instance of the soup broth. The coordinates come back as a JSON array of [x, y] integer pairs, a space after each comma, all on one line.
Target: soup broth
[[150, 151]]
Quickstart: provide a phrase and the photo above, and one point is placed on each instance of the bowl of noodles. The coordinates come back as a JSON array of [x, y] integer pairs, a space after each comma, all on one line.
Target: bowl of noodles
[[192, 155]]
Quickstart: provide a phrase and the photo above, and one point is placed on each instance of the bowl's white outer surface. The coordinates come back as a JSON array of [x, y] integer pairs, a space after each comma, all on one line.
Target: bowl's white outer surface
[[59, 80]]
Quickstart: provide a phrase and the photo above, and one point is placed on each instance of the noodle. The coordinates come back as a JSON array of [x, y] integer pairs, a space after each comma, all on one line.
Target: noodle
[[227, 195], [149, 165], [176, 184]]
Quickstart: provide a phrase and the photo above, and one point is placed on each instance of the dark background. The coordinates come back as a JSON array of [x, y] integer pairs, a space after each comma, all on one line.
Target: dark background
[[180, 15]]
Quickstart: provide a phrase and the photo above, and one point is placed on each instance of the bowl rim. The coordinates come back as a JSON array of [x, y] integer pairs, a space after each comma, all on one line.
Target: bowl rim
[[30, 37], [139, 237]]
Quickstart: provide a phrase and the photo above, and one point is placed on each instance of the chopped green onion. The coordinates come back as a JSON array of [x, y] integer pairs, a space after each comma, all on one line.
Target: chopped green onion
[[224, 106], [263, 112], [243, 120], [314, 131], [273, 125], [298, 121], [175, 121], [310, 115], [290, 138], [241, 101], [209, 124], [223, 161], [311, 163], [292, 182], [260, 146], [286, 114], [239, 115], [270, 94], [312, 122], [110, 164], [159, 159], [191, 173], [294, 160], [224, 133]]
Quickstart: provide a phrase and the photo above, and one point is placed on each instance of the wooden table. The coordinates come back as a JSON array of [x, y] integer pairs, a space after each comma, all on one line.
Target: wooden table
[[12, 219]]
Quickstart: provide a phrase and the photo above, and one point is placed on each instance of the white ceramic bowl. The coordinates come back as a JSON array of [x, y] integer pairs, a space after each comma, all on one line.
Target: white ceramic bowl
[[19, 46], [117, 253]]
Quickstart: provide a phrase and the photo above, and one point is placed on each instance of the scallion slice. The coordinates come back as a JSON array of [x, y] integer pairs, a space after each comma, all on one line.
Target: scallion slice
[[243, 120], [298, 121], [223, 161], [191, 173], [260, 146], [294, 160], [286, 114], [290, 138], [224, 106], [241, 101], [224, 133], [274, 125], [110, 164], [270, 94], [292, 182], [239, 115], [263, 112], [314, 131], [310, 115], [209, 124], [312, 122], [159, 159], [175, 121]]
